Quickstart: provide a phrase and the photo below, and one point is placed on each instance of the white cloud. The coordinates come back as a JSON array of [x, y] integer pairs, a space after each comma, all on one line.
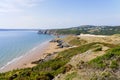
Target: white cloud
[[16, 5]]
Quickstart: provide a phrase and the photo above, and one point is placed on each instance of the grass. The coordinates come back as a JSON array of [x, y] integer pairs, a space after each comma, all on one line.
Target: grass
[[106, 75], [71, 76], [98, 49], [74, 40], [114, 64], [108, 60]]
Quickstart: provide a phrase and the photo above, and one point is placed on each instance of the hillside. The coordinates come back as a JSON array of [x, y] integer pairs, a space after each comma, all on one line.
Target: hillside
[[86, 29], [88, 59], [99, 63]]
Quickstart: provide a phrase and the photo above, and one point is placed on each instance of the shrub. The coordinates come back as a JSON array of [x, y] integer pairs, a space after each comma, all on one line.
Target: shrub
[[105, 60], [114, 64], [71, 76], [98, 49]]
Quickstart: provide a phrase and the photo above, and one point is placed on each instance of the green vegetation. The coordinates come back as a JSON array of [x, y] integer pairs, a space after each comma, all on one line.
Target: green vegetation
[[74, 40], [67, 54], [114, 64], [97, 30], [107, 75], [98, 49], [71, 76], [68, 31], [110, 60], [77, 41], [106, 65]]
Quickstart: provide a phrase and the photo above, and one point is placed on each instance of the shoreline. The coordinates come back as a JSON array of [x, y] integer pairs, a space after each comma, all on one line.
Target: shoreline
[[25, 60], [35, 54]]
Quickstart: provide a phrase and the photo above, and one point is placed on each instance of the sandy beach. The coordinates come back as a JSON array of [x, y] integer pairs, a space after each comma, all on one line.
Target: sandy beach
[[37, 53]]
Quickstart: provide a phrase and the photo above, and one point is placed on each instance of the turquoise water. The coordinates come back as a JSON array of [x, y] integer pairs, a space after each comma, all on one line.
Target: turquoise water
[[14, 44]]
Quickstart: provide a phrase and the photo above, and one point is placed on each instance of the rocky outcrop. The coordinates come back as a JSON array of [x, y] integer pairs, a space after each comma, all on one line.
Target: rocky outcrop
[[53, 32], [61, 43], [47, 58]]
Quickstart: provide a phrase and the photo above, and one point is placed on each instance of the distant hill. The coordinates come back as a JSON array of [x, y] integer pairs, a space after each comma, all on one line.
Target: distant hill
[[86, 29]]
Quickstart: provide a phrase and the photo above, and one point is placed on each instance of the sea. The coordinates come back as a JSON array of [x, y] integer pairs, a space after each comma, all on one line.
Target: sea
[[15, 44]]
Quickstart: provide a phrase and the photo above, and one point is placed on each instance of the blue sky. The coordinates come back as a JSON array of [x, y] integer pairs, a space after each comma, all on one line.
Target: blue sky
[[58, 13]]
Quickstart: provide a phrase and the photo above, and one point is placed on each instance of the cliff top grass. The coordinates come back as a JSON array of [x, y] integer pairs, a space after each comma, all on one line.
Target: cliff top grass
[[74, 40]]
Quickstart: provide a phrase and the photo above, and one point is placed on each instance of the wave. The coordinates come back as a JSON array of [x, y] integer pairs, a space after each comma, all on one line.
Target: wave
[[27, 53], [36, 47], [12, 61]]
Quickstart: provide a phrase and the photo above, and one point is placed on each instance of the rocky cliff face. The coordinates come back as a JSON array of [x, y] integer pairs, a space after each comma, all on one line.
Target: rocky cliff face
[[47, 32]]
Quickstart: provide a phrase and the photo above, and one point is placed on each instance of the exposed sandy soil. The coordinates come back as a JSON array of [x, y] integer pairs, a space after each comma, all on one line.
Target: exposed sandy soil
[[100, 38]]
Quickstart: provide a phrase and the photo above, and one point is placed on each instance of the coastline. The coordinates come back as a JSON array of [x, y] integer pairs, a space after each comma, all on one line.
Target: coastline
[[37, 53], [24, 61]]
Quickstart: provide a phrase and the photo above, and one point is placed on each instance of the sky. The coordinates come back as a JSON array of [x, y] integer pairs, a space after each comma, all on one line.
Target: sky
[[43, 14]]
